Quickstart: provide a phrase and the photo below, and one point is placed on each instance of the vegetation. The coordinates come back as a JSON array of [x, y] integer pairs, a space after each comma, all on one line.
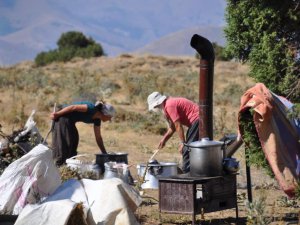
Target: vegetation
[[266, 34], [256, 212], [254, 152], [71, 44]]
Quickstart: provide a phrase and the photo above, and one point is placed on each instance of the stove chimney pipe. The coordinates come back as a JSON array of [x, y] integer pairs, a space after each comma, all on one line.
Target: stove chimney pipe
[[207, 58]]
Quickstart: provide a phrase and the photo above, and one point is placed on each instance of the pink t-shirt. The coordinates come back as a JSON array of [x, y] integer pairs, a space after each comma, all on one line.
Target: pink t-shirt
[[182, 110]]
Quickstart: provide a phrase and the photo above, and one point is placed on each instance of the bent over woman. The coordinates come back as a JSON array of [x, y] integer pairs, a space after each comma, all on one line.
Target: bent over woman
[[65, 136]]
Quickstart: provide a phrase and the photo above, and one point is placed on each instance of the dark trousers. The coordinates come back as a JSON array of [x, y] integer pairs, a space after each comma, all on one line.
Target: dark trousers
[[65, 140], [192, 135]]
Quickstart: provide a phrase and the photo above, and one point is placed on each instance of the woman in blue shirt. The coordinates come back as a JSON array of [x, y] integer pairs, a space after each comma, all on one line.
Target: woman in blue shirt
[[65, 136]]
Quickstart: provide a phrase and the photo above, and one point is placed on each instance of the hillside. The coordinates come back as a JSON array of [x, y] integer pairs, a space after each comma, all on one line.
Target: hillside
[[178, 43], [126, 81]]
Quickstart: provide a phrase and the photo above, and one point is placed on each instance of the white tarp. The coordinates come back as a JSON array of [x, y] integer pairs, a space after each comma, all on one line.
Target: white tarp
[[29, 179], [54, 213], [111, 202], [106, 202], [73, 190]]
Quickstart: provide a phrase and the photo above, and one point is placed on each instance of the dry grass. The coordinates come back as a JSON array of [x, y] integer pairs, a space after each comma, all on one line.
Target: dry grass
[[126, 81]]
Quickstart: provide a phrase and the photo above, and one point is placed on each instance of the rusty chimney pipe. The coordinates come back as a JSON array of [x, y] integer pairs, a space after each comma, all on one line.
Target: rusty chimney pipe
[[207, 58]]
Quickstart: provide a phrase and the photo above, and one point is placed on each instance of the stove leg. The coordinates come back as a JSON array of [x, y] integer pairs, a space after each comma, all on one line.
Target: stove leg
[[193, 218], [159, 217]]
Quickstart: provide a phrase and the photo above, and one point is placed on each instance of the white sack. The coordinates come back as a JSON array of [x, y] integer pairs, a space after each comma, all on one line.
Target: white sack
[[112, 202], [73, 190], [49, 213], [28, 180]]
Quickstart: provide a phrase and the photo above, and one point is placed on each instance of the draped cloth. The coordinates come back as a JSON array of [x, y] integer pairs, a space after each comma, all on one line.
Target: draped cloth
[[278, 134]]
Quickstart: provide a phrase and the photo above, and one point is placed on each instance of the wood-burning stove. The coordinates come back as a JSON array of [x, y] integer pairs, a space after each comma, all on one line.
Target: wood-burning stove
[[183, 194]]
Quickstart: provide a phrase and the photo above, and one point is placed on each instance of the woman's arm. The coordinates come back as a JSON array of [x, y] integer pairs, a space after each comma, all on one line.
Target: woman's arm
[[167, 135], [180, 132], [69, 109], [99, 140]]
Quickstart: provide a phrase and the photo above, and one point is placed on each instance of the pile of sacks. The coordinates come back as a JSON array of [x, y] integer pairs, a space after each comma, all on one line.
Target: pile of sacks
[[31, 188]]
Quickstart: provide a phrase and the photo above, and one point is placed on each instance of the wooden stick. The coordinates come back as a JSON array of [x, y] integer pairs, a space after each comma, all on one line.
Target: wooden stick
[[52, 125], [147, 165]]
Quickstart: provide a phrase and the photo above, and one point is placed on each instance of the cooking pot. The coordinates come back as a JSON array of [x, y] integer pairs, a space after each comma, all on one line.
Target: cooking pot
[[206, 157], [156, 170], [118, 157]]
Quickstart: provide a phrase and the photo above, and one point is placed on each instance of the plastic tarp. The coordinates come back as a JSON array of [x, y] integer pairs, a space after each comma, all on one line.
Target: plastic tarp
[[111, 202], [29, 179], [54, 213], [106, 202], [278, 134]]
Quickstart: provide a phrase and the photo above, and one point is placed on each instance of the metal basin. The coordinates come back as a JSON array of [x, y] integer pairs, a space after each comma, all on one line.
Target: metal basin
[[161, 169]]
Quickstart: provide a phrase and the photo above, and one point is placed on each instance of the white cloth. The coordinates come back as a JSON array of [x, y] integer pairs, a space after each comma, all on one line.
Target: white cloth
[[111, 202], [106, 202], [53, 212]]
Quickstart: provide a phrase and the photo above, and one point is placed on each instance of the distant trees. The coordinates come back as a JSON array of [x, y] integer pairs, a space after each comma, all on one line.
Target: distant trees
[[266, 34], [71, 44]]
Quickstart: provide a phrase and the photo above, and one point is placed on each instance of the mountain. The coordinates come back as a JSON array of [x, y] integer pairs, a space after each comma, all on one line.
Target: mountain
[[118, 26], [178, 43]]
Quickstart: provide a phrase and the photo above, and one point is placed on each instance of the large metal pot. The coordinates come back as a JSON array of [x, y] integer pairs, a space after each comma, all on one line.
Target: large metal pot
[[161, 169], [206, 158]]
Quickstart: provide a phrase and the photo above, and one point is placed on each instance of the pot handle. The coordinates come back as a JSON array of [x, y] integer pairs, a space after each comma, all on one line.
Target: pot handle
[[187, 145]]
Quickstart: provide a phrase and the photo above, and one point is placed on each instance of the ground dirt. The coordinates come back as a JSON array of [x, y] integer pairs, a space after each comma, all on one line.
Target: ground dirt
[[116, 78]]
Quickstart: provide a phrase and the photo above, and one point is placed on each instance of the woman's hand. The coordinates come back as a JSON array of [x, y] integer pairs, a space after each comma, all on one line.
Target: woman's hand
[[53, 116], [161, 144]]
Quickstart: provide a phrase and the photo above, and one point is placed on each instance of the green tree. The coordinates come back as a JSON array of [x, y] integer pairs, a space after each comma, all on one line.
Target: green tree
[[71, 44], [74, 39], [266, 34]]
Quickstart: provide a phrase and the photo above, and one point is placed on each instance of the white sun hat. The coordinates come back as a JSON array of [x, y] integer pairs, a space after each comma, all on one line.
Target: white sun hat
[[155, 99]]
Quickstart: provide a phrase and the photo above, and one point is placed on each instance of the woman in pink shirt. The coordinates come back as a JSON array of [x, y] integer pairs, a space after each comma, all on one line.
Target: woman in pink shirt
[[178, 112]]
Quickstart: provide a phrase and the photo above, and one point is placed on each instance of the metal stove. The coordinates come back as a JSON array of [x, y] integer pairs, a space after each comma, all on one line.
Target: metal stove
[[183, 194]]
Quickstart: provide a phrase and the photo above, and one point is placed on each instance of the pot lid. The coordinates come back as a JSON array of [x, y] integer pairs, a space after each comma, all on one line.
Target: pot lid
[[204, 142], [164, 164], [112, 154]]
